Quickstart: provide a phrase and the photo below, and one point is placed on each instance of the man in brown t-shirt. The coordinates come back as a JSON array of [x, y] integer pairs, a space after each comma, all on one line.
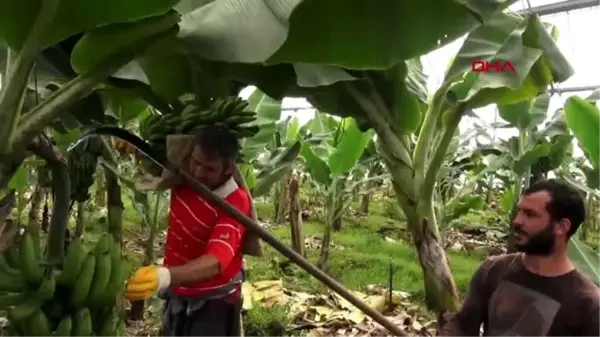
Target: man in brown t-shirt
[[538, 291]]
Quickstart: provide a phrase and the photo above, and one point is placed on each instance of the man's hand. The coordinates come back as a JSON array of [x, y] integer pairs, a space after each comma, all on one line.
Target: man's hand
[[146, 282]]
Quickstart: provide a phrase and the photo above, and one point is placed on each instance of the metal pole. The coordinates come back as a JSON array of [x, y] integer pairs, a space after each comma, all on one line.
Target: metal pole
[[560, 7], [573, 89]]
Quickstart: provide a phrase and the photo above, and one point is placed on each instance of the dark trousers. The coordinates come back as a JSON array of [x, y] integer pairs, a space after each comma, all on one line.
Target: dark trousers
[[215, 318]]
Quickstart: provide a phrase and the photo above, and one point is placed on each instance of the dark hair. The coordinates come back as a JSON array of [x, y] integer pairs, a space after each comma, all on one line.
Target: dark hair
[[218, 142], [566, 202]]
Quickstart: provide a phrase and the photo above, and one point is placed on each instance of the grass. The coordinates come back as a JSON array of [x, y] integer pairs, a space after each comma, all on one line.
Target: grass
[[360, 256], [364, 258]]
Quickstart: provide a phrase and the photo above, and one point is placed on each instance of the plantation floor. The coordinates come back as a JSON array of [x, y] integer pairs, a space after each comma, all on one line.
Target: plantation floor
[[361, 255]]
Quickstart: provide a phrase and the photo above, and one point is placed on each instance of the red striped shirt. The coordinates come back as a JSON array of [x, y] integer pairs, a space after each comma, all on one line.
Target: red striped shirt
[[198, 227]]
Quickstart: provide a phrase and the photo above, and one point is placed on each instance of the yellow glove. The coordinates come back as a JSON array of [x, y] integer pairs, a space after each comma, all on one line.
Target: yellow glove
[[146, 282]]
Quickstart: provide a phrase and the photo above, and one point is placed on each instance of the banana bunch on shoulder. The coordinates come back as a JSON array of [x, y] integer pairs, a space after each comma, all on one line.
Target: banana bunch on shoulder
[[228, 112], [76, 300], [225, 113]]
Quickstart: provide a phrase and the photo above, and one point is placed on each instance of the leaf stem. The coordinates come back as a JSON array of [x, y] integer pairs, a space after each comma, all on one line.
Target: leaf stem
[[81, 86], [424, 143], [11, 98], [61, 185], [438, 157]]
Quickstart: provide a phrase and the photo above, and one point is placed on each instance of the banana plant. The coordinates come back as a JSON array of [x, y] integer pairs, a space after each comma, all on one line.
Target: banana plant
[[394, 102], [370, 168], [330, 154], [534, 152], [268, 159], [583, 176], [461, 174]]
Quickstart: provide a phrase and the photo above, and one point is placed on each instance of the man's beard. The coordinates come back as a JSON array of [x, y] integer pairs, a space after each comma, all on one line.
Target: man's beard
[[541, 243]]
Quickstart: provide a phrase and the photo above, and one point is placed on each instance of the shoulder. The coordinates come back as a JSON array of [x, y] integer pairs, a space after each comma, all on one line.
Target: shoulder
[[495, 267], [500, 262], [589, 293], [239, 198], [184, 192]]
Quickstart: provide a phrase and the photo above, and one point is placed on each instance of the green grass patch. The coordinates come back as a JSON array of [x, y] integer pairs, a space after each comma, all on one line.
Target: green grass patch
[[360, 257]]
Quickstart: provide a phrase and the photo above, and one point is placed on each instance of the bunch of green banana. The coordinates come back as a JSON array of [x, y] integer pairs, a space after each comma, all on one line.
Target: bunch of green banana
[[82, 166], [227, 113], [78, 299], [155, 128]]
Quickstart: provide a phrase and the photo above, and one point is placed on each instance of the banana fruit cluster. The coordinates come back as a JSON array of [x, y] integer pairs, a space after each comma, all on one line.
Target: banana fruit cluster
[[225, 113], [78, 299], [82, 166]]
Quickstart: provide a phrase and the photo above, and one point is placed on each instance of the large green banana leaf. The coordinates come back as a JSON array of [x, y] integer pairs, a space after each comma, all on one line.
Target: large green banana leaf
[[279, 31], [583, 118], [585, 258]]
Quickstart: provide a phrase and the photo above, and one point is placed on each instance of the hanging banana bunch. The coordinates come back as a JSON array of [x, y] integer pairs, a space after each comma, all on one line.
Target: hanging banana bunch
[[76, 299], [82, 162]]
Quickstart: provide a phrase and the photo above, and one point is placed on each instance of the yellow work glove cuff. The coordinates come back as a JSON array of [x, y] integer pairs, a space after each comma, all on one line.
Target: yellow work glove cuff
[[164, 278]]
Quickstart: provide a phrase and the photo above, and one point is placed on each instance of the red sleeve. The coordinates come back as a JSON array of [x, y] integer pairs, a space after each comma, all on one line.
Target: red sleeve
[[226, 237]]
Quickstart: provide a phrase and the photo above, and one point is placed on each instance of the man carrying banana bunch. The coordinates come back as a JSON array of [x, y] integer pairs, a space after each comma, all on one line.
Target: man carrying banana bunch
[[202, 275]]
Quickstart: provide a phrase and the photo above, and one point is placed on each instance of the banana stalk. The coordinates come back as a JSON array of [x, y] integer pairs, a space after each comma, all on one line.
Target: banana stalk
[[413, 179], [61, 185], [11, 97]]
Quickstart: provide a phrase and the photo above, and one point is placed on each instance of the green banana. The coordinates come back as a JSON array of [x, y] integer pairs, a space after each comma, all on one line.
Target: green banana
[[8, 300], [100, 280], [64, 327], [32, 270], [39, 325], [12, 283], [81, 288], [47, 287], [236, 119], [12, 256], [5, 267], [82, 322], [24, 310], [109, 325], [117, 277], [73, 263], [103, 245]]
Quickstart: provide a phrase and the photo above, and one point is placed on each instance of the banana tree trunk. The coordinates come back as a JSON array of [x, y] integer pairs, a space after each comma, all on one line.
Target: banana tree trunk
[[440, 287], [114, 205], [325, 245], [364, 203], [113, 195], [61, 187], [283, 197], [296, 218], [441, 294]]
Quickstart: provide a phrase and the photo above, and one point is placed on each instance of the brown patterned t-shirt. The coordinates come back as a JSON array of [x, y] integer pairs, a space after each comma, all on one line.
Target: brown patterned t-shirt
[[508, 300]]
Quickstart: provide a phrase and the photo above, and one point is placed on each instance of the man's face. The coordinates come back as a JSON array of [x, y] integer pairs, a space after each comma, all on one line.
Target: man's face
[[536, 233], [211, 171]]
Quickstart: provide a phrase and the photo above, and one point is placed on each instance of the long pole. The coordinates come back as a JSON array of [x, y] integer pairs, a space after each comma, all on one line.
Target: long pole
[[265, 235], [560, 7], [574, 89]]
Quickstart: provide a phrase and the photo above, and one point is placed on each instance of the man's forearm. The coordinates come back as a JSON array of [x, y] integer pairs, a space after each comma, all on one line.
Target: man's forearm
[[203, 268]]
